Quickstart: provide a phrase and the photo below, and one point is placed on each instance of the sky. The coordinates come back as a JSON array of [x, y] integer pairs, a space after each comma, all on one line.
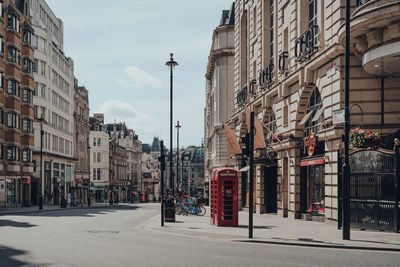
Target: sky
[[120, 49]]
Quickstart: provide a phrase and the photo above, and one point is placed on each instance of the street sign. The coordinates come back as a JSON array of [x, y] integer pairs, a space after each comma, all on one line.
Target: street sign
[[338, 116]]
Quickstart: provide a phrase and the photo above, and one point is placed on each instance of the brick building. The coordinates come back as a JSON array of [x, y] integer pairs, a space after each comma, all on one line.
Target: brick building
[[17, 112]]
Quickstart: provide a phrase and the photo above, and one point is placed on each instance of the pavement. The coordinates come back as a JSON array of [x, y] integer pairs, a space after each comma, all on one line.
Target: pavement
[[18, 210], [274, 229]]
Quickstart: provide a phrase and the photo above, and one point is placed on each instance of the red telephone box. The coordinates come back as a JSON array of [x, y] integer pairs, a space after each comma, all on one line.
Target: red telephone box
[[224, 197]]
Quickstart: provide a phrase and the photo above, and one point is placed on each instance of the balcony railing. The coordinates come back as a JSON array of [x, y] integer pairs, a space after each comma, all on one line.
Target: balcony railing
[[266, 76], [361, 2], [306, 44], [283, 62], [241, 96], [252, 86]]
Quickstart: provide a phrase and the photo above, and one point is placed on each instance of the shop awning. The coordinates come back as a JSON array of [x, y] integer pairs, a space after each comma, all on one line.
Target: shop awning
[[318, 114], [134, 192], [231, 139], [306, 117], [259, 141]]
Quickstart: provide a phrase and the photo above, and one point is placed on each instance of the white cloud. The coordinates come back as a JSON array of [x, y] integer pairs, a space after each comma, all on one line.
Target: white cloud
[[143, 124], [138, 78]]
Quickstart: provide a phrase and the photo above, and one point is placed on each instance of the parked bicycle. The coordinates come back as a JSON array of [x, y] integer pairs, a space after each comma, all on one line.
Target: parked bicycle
[[188, 208]]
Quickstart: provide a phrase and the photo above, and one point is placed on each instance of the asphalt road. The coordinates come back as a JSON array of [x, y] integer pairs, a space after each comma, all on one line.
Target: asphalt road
[[116, 237]]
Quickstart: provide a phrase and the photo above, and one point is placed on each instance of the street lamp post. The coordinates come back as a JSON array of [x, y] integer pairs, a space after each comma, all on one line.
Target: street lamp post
[[178, 127], [41, 164], [346, 166], [171, 65], [88, 149]]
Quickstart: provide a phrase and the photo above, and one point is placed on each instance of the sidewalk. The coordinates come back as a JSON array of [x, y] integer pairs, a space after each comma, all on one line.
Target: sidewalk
[[17, 210], [273, 229]]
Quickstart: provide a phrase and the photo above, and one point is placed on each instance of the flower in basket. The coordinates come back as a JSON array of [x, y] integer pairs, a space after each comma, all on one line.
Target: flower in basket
[[327, 124], [359, 138], [278, 137]]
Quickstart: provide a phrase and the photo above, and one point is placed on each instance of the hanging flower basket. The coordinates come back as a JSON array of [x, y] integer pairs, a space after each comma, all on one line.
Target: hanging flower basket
[[360, 138], [278, 137], [326, 124]]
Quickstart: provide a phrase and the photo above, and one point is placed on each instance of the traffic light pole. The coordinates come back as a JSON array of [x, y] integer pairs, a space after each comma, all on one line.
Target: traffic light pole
[[162, 164]]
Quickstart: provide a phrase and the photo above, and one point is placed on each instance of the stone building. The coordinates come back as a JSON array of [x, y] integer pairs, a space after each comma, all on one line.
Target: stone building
[[150, 182], [125, 138], [17, 112], [82, 131], [219, 93], [118, 164], [99, 159], [289, 70], [53, 101]]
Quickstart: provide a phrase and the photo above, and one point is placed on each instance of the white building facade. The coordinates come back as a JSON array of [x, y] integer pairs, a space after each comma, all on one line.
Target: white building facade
[[54, 102]]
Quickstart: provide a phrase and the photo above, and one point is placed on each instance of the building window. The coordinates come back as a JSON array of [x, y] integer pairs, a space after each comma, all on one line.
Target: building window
[[285, 115], [313, 18], [26, 155], [35, 41], [35, 66], [27, 95], [1, 44], [271, 31], [13, 22], [1, 80], [1, 116], [13, 120], [27, 37], [43, 91], [1, 151], [13, 88], [314, 116], [27, 125], [13, 153], [13, 55], [27, 66]]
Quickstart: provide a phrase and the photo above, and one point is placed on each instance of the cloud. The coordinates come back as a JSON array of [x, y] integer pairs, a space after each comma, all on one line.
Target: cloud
[[120, 111], [136, 77]]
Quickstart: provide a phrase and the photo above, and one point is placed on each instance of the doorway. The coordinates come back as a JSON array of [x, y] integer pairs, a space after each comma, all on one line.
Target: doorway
[[312, 189], [285, 189], [270, 189]]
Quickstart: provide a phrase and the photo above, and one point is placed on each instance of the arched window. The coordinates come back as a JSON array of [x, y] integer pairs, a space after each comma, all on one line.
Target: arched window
[[314, 115]]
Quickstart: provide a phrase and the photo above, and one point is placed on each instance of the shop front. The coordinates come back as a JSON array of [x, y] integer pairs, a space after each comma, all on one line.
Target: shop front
[[312, 177]]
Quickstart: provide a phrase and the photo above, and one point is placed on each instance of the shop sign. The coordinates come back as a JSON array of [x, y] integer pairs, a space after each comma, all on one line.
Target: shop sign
[[310, 143], [338, 116], [25, 181], [312, 162]]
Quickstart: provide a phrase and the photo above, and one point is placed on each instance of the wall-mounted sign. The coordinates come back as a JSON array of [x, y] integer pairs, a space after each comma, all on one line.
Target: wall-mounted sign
[[306, 45], [331, 70], [25, 181], [310, 143], [338, 116]]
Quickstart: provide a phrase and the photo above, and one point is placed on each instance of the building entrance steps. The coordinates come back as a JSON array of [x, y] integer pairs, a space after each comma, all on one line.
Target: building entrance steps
[[274, 229]]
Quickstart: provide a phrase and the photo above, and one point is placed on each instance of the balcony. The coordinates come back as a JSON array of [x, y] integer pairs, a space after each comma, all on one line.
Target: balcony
[[306, 44], [266, 76], [375, 34]]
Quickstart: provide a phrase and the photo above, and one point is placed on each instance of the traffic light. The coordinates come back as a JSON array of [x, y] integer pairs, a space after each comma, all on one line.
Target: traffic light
[[161, 159], [246, 140], [191, 181]]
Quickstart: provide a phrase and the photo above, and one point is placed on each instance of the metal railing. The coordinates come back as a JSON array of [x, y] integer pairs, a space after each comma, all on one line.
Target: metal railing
[[306, 44], [361, 2]]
